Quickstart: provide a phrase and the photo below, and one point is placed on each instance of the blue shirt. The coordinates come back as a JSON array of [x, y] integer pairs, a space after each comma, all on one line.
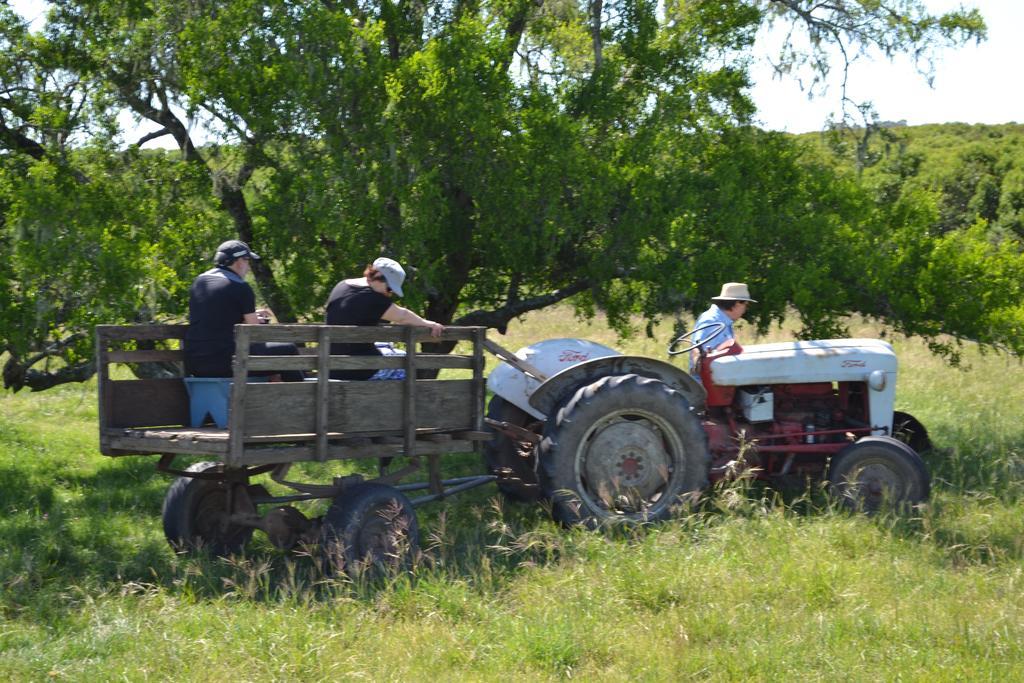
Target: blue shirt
[[707, 321]]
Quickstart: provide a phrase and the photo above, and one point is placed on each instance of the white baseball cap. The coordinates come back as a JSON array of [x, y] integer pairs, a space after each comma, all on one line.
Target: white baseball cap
[[393, 273]]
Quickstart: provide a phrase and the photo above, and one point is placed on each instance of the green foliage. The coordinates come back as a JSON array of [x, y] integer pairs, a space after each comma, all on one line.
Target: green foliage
[[117, 247], [947, 255], [514, 154]]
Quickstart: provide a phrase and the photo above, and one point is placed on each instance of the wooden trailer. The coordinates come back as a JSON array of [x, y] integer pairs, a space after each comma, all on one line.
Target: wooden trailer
[[271, 425]]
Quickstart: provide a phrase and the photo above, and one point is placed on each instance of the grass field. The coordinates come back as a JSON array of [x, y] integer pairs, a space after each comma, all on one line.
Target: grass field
[[751, 587]]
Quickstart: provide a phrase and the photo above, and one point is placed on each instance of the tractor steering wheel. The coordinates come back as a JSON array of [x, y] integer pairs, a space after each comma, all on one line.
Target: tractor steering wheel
[[716, 327]]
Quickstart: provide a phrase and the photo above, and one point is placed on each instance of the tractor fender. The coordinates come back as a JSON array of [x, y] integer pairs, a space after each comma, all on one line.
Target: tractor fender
[[549, 357], [549, 395]]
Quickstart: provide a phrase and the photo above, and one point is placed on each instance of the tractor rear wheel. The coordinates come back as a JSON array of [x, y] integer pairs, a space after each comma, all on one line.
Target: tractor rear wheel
[[515, 462], [625, 448], [876, 473], [369, 527], [196, 515]]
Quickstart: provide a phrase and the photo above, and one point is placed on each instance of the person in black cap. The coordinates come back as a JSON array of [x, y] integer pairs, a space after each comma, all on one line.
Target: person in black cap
[[219, 299], [366, 301]]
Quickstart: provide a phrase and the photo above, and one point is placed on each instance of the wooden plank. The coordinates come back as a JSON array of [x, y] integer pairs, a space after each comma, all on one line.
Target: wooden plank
[[141, 332], [265, 456], [145, 403], [280, 363], [439, 404], [472, 435], [352, 333], [421, 433], [480, 383], [211, 434], [409, 392], [357, 407], [144, 356], [443, 362], [282, 333], [142, 445], [441, 437], [307, 363], [102, 388], [513, 360], [237, 415], [322, 385], [292, 333], [284, 408], [479, 386], [125, 445]]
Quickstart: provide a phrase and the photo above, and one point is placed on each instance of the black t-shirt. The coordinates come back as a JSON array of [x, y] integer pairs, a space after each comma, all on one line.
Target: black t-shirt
[[355, 305], [218, 300]]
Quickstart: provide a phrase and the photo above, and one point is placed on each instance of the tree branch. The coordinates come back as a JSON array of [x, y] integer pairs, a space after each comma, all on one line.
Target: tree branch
[[17, 142], [152, 136], [37, 380], [18, 374], [499, 318], [515, 29], [596, 7], [164, 117]]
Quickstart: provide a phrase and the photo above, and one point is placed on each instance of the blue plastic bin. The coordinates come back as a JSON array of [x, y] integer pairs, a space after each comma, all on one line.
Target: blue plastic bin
[[211, 396], [208, 396]]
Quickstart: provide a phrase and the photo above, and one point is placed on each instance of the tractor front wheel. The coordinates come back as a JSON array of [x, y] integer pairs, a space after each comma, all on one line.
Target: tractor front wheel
[[878, 473], [909, 430], [625, 448]]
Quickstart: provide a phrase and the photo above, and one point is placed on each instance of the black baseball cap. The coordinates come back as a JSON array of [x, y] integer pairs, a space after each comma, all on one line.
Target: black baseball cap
[[232, 250]]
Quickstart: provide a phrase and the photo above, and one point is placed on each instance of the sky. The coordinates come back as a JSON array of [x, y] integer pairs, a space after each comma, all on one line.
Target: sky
[[972, 84]]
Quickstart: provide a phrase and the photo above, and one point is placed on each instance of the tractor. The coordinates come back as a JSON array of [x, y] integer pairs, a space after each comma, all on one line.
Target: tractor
[[610, 437]]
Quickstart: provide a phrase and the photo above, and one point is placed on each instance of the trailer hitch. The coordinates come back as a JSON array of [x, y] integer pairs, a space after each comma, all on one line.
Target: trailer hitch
[[513, 431]]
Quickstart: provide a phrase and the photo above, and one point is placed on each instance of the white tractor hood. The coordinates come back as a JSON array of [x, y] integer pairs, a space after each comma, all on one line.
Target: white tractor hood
[[827, 360]]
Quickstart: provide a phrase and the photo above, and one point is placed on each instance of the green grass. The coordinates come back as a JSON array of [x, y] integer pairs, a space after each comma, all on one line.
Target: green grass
[[749, 587]]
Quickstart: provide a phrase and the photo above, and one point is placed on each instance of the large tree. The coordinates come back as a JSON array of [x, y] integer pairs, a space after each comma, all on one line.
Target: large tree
[[514, 153]]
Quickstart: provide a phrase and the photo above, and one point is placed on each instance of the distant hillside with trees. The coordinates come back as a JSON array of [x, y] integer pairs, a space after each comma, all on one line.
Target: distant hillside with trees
[[975, 171], [954, 197]]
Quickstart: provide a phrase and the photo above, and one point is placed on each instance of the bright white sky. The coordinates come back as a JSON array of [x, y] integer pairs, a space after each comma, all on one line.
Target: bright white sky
[[973, 84]]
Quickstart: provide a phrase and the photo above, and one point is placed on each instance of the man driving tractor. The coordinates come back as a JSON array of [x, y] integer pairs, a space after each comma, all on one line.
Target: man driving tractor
[[717, 321]]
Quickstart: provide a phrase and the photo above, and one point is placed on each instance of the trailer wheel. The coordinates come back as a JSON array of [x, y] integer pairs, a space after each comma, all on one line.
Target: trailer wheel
[[369, 526], [515, 462], [625, 448], [909, 430], [196, 516], [876, 473]]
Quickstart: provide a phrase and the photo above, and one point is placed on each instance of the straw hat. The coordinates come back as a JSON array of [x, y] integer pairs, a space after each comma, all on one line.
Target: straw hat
[[734, 291]]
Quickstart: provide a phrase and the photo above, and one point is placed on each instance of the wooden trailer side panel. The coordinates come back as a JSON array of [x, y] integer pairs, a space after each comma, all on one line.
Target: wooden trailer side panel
[[147, 403], [357, 407]]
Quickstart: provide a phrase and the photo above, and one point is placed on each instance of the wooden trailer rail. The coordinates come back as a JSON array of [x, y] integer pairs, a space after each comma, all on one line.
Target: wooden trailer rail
[[283, 422]]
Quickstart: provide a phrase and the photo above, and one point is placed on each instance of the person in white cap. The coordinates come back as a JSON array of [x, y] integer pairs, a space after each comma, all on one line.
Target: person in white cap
[[367, 301], [726, 308]]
